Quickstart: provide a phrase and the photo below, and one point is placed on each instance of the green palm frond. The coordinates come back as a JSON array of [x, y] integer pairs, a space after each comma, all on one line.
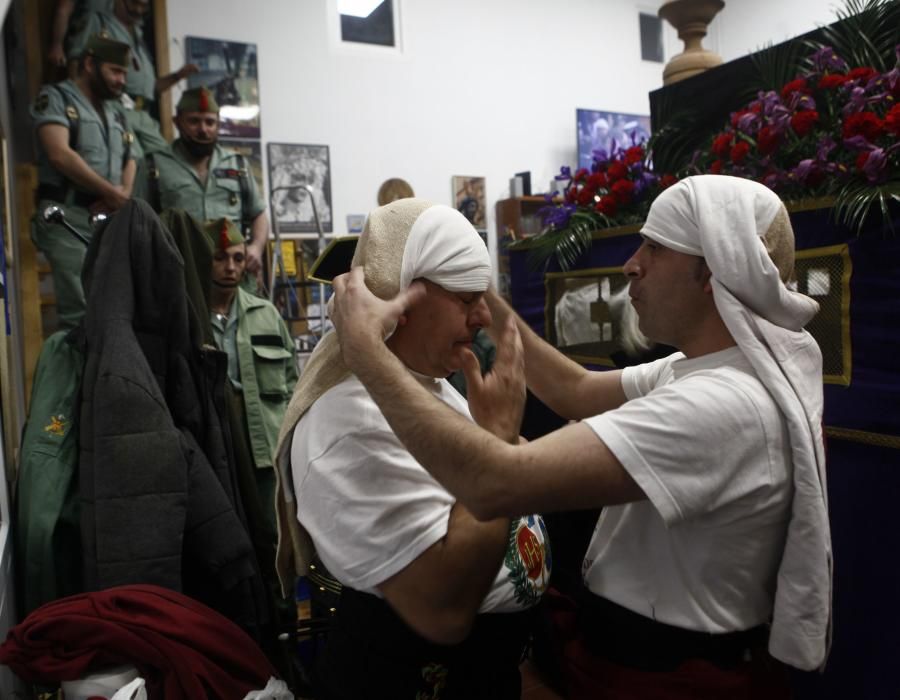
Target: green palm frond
[[866, 33], [854, 202], [566, 244], [774, 65], [672, 146]]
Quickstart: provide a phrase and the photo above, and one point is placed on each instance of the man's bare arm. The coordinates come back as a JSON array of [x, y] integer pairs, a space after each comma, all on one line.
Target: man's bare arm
[[565, 386], [568, 469], [259, 235], [55, 141], [439, 593]]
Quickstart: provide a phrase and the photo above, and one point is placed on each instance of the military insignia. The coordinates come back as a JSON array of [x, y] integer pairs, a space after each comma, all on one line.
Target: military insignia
[[57, 425], [233, 199], [435, 677], [43, 101], [71, 112], [128, 137], [526, 563], [104, 34]]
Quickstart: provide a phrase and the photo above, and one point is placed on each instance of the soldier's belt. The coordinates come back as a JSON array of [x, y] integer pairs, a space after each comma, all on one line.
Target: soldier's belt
[[64, 195]]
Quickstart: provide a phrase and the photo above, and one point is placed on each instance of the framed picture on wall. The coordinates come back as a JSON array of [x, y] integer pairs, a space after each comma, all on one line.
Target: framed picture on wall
[[469, 198], [251, 149], [300, 174], [598, 131], [229, 69]]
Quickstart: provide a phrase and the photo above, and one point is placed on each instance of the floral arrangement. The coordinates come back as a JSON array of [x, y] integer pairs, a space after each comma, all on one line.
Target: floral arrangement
[[615, 191], [832, 131]]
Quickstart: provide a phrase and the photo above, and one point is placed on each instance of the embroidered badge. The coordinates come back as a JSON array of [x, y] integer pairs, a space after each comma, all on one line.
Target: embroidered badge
[[71, 112], [435, 676], [57, 425], [43, 101], [525, 561]]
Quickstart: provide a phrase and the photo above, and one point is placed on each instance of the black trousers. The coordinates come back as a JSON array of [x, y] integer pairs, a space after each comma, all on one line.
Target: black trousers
[[371, 653]]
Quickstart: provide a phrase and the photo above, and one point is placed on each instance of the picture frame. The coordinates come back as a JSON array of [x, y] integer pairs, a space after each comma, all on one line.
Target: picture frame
[[295, 166], [229, 69], [598, 130], [469, 198]]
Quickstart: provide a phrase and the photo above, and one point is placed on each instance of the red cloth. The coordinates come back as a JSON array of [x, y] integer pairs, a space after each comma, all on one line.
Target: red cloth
[[182, 648]]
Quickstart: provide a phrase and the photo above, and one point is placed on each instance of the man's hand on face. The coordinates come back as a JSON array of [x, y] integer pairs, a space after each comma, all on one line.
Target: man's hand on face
[[361, 319], [497, 400]]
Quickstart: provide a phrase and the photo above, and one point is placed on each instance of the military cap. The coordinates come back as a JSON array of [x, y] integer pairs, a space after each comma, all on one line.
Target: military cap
[[198, 99], [223, 233], [108, 50]]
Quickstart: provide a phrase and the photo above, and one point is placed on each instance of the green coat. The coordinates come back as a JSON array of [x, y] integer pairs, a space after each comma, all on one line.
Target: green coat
[[102, 143], [268, 370], [47, 529], [230, 189]]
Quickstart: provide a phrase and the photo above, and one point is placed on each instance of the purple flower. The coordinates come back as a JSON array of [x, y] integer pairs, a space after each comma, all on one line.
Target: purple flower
[[565, 173], [825, 146], [600, 155], [558, 217], [803, 169], [857, 143], [826, 60], [856, 103], [874, 167], [748, 122], [800, 100]]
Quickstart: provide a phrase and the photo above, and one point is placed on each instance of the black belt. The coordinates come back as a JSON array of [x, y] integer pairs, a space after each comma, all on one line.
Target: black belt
[[629, 639], [65, 195]]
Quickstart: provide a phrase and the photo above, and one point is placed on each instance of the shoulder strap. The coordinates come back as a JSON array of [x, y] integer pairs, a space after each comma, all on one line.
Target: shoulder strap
[[245, 190], [127, 136], [153, 199]]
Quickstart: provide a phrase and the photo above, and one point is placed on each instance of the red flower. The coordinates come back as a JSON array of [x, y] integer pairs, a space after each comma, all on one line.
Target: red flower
[[623, 190], [633, 155], [767, 140], [597, 181], [863, 74], [716, 167], [798, 85], [571, 194], [580, 174], [861, 160], [666, 181], [831, 81], [607, 205], [892, 120], [803, 122], [862, 124], [617, 171], [585, 197], [721, 144], [739, 152]]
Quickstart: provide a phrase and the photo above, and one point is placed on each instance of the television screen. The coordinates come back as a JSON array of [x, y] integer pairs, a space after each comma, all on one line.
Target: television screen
[[599, 131]]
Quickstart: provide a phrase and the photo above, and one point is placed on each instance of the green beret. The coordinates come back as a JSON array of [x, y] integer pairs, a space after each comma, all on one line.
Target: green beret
[[223, 233], [108, 50], [199, 99]]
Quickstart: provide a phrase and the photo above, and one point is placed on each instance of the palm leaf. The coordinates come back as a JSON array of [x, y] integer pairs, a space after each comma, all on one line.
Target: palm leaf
[[775, 65], [566, 244], [854, 202], [866, 33]]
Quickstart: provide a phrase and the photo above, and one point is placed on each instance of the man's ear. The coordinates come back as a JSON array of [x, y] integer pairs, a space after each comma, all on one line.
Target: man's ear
[[706, 278], [402, 320]]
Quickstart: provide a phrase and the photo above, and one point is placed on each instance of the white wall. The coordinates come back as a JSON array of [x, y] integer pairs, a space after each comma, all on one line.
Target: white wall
[[480, 87]]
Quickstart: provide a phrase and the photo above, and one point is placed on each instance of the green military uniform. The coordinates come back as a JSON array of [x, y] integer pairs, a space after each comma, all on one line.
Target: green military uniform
[[261, 365], [228, 191], [140, 85], [103, 142], [78, 21], [47, 532]]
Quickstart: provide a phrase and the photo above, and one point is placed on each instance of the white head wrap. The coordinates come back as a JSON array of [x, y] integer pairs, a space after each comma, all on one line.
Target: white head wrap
[[731, 222], [404, 240]]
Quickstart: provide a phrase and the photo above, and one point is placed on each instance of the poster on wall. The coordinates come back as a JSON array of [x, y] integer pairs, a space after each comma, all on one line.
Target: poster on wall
[[252, 151], [469, 198], [598, 131], [292, 169], [229, 69]]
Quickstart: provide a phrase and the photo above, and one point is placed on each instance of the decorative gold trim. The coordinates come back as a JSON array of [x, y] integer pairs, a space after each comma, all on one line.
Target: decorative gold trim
[[809, 204], [843, 250], [863, 436]]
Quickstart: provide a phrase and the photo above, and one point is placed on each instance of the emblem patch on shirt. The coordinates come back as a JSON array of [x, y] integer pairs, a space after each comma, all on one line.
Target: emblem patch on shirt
[[527, 562], [57, 426], [435, 677], [43, 101]]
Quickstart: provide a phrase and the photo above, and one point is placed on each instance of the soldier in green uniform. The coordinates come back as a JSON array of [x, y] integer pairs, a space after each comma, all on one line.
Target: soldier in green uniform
[[208, 181], [124, 24], [261, 363], [85, 163]]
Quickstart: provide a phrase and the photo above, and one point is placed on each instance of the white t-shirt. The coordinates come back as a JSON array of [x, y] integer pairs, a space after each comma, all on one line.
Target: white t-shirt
[[371, 509], [708, 445]]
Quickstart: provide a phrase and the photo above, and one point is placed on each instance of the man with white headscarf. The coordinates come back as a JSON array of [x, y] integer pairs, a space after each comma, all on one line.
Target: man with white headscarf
[[713, 549], [435, 603]]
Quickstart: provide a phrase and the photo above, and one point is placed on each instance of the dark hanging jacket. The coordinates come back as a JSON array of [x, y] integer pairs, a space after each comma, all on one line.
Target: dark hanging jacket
[[154, 509]]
